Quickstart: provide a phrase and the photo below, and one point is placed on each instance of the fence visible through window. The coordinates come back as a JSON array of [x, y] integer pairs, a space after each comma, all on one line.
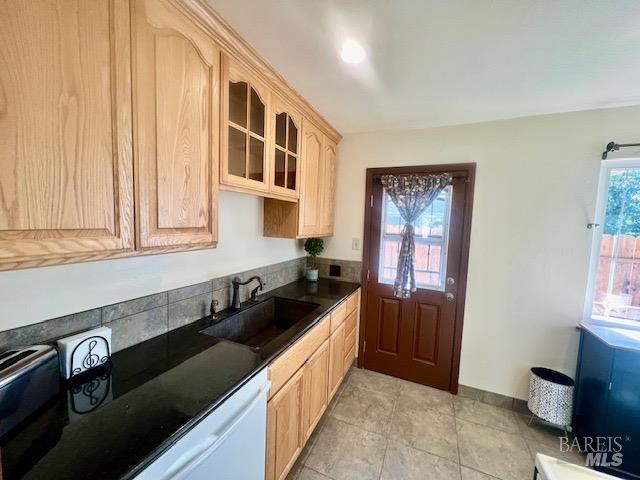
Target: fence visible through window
[[431, 239], [617, 278]]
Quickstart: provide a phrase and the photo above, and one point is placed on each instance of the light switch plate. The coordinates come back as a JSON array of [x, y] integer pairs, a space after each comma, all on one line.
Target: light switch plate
[[355, 244]]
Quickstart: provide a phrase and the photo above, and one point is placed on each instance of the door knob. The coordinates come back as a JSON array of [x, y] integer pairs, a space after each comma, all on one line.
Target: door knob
[[450, 297]]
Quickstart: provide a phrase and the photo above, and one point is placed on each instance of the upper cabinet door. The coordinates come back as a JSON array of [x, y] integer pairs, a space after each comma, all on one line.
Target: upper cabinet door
[[245, 129], [310, 196], [66, 188], [285, 149], [328, 189], [176, 79]]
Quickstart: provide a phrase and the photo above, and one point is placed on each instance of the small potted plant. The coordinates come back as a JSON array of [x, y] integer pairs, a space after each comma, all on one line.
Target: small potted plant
[[314, 247]]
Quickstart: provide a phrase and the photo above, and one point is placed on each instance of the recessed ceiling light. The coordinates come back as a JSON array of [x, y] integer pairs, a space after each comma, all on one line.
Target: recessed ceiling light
[[352, 52]]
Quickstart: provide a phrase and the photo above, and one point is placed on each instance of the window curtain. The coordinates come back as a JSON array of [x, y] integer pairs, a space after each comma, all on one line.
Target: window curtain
[[412, 195]]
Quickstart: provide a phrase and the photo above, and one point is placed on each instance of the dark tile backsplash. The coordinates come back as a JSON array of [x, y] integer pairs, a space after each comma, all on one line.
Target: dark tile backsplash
[[139, 319], [350, 270], [131, 307]]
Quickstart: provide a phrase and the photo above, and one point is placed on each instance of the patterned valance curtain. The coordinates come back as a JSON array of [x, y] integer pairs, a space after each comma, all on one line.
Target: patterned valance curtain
[[412, 195]]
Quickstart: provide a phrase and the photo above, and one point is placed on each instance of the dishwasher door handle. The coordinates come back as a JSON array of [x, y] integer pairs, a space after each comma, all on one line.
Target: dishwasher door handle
[[189, 460]]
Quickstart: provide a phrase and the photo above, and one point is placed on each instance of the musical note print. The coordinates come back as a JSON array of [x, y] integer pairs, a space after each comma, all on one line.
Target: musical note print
[[91, 359], [91, 352]]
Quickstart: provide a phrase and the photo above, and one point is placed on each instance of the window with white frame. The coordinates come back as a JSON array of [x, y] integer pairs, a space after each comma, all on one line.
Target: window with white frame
[[614, 277], [431, 240]]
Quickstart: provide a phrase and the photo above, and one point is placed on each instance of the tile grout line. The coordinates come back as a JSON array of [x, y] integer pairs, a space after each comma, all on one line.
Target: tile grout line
[[455, 424], [481, 472], [314, 470], [387, 437], [328, 415], [518, 432]]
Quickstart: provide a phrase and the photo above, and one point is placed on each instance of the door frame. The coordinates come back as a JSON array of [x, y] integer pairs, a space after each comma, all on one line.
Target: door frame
[[466, 170]]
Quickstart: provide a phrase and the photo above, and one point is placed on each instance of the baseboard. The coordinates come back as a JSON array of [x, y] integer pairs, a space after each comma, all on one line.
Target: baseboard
[[495, 399]]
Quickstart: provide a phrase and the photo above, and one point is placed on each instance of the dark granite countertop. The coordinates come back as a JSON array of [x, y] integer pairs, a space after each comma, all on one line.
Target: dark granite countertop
[[156, 391]]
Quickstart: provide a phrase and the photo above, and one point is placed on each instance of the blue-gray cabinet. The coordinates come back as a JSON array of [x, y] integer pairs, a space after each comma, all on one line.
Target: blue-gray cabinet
[[607, 402]]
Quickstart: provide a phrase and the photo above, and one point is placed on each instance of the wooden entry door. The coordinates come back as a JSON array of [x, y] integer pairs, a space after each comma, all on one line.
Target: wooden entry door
[[417, 338]]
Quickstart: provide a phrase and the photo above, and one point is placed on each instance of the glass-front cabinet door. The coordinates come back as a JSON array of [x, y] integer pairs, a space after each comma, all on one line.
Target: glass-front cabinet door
[[245, 128], [285, 151]]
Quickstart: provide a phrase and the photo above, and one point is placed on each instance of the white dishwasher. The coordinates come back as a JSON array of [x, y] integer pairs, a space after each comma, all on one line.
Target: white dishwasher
[[228, 444]]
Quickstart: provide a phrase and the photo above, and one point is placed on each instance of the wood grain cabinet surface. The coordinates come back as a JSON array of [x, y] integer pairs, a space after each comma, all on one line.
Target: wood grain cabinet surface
[[328, 187], [313, 215], [285, 427], [120, 119], [245, 129], [176, 79], [66, 187], [304, 378], [316, 388], [285, 149], [336, 360]]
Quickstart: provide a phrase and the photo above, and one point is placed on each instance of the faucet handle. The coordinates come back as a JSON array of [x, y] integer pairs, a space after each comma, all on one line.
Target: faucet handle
[[212, 308]]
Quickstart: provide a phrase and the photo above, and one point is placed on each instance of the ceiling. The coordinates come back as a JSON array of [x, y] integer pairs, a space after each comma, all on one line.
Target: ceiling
[[444, 62]]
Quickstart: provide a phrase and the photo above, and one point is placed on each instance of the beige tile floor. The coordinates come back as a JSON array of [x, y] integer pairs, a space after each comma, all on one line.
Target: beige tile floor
[[382, 428]]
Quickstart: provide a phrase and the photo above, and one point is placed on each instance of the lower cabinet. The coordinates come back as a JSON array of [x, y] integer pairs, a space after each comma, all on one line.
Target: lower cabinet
[[607, 401], [304, 379], [336, 360], [316, 388], [284, 427]]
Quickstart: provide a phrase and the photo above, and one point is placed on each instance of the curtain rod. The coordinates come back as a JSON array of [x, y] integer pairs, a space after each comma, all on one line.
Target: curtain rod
[[462, 176], [614, 147]]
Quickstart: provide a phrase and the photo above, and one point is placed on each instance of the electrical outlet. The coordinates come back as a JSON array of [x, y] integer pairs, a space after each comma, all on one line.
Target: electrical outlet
[[355, 244]]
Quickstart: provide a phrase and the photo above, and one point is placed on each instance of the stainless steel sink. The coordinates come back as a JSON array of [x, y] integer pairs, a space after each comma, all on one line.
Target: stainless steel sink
[[261, 324]]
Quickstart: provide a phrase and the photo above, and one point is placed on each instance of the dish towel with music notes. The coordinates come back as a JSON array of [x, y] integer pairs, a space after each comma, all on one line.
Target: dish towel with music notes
[[84, 351]]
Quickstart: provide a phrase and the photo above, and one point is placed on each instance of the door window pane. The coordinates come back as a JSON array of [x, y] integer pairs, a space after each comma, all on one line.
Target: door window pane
[[256, 156], [280, 168], [281, 130], [238, 103], [432, 232], [237, 152], [293, 137], [257, 114], [617, 272], [291, 172]]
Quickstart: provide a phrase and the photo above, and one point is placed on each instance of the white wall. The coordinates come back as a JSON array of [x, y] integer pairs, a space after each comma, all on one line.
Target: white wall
[[32, 295], [535, 191]]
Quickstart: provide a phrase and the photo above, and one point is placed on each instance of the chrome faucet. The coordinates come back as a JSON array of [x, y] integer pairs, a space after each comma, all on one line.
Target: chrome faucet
[[236, 283]]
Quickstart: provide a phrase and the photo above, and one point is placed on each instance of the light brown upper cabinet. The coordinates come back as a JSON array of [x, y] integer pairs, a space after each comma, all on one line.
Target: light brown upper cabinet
[[313, 177], [313, 215], [176, 104], [121, 119], [285, 150], [66, 188], [245, 129], [328, 187]]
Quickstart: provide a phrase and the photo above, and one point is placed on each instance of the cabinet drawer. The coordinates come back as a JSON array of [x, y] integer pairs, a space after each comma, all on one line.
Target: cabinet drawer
[[353, 301], [350, 322], [349, 358], [283, 367], [338, 315]]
